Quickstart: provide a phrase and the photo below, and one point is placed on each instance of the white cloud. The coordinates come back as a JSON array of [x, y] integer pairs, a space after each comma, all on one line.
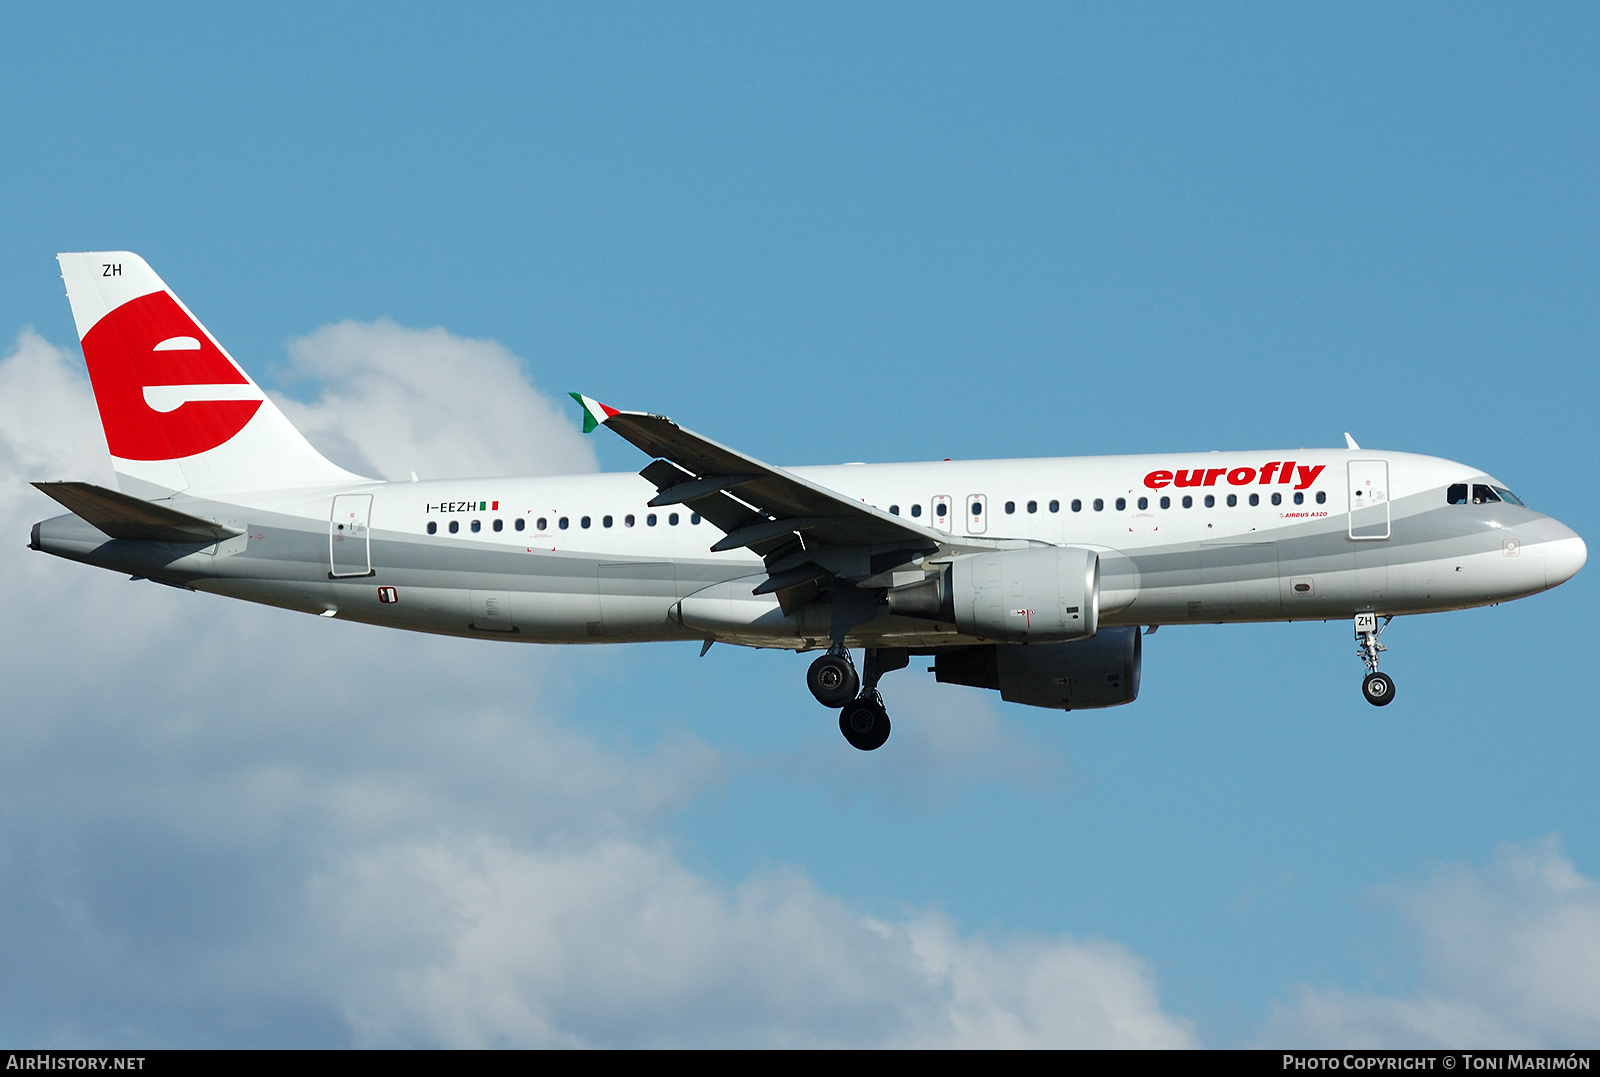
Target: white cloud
[[228, 824], [1510, 957], [393, 400], [1032, 992], [618, 944], [49, 428]]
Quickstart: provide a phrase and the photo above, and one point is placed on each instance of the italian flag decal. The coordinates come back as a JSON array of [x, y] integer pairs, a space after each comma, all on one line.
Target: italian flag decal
[[594, 412]]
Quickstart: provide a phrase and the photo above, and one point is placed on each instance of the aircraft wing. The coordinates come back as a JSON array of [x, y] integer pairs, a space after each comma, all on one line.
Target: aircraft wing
[[804, 531]]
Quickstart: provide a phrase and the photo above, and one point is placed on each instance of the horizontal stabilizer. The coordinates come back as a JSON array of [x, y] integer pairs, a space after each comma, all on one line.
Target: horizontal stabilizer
[[124, 517]]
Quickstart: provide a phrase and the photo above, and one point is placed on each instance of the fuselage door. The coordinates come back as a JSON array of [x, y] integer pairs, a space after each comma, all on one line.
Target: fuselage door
[[941, 511], [348, 551], [1369, 499], [977, 514]]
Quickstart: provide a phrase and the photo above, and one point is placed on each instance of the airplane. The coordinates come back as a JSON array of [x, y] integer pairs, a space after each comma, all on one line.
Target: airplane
[[1030, 577]]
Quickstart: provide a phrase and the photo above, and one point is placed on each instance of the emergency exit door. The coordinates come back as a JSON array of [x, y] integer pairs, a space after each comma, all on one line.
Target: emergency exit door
[[977, 514]]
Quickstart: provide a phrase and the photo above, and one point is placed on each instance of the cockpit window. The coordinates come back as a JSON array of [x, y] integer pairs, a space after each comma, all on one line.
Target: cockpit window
[[1482, 495], [1507, 495], [1457, 494]]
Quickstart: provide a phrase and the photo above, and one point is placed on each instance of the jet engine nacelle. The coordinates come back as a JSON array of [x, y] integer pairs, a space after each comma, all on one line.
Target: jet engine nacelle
[[1038, 595], [1099, 672]]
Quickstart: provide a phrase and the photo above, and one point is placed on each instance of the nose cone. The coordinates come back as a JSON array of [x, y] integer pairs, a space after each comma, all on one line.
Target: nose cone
[[1563, 557]]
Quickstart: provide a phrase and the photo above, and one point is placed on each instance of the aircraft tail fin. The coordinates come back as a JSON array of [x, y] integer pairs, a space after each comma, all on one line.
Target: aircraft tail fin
[[178, 412]]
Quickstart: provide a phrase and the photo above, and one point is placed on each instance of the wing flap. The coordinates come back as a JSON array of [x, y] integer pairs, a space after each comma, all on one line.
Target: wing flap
[[758, 533]]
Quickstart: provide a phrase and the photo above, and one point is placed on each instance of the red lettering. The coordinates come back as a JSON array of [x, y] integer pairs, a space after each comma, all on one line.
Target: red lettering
[[1239, 476]]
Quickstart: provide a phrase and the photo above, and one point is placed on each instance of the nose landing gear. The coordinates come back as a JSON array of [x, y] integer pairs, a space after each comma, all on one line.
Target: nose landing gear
[[1376, 687]]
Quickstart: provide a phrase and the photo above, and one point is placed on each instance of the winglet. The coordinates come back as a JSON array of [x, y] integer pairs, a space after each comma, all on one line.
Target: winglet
[[594, 412], [1349, 441]]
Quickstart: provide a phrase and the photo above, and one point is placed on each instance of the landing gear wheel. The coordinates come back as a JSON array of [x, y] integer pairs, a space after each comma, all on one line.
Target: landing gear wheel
[[832, 679], [865, 724], [1378, 689]]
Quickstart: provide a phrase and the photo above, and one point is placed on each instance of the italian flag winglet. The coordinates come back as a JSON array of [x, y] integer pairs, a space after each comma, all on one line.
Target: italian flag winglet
[[594, 412]]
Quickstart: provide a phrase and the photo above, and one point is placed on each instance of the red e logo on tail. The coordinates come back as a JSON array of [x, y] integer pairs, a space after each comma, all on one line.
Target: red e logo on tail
[[165, 391]]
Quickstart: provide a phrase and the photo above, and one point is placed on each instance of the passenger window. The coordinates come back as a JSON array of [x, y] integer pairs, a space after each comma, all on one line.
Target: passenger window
[[939, 510], [694, 517], [650, 520], [1255, 499], [894, 510], [521, 524], [584, 522], [1033, 506], [977, 508], [1055, 506], [541, 524], [562, 523], [1482, 495], [1299, 498], [1099, 504], [1457, 494], [1011, 507], [672, 518], [916, 510], [1122, 504], [1166, 502], [1077, 505], [455, 525], [1322, 497], [499, 525], [1144, 503], [1277, 498], [477, 525], [433, 527], [627, 521], [1233, 500], [1211, 501], [605, 521], [1188, 502]]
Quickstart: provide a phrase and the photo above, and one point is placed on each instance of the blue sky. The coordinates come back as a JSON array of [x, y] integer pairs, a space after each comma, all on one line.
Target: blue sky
[[819, 234]]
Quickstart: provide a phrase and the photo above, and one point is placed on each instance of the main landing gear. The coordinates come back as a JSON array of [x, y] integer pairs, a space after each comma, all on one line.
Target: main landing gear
[[865, 723], [1376, 687], [832, 678]]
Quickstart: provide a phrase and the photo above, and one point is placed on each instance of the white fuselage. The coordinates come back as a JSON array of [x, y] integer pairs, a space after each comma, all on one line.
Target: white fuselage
[[584, 558]]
